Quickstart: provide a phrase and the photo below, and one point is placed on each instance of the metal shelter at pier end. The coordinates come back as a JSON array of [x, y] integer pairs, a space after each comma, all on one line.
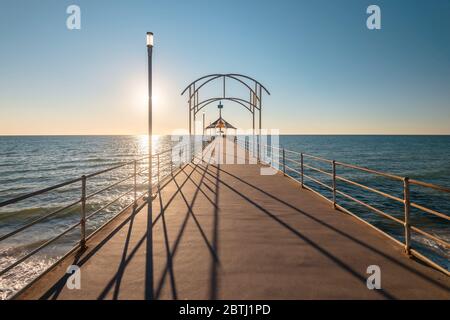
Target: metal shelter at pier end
[[220, 123]]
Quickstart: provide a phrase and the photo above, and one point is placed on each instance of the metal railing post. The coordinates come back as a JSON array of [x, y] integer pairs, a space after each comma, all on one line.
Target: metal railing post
[[192, 149], [179, 153], [158, 169], [271, 154], [186, 152], [301, 167], [334, 184], [203, 155], [407, 205], [263, 150], [83, 213], [171, 160], [258, 147], [135, 183], [284, 162]]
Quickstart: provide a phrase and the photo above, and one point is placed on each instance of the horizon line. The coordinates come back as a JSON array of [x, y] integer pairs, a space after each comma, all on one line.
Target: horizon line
[[281, 134]]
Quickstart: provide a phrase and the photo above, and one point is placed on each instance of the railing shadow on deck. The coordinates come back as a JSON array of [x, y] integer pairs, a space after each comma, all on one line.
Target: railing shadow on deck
[[81, 259], [81, 205], [265, 156], [212, 247], [324, 224]]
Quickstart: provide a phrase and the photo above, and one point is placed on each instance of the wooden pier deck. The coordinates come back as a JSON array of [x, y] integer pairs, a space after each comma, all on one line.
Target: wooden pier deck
[[223, 231]]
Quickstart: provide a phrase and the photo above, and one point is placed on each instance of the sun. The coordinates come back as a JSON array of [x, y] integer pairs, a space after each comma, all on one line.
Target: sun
[[155, 99], [140, 98]]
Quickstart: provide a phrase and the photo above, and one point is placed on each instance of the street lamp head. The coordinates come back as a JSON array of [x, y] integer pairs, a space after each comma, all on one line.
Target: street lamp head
[[149, 39]]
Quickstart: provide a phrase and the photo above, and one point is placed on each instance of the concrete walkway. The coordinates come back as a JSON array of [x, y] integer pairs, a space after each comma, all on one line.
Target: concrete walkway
[[227, 232]]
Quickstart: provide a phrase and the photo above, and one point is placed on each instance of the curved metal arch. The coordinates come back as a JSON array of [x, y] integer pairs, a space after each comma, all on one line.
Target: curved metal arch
[[199, 105], [236, 100], [250, 78], [227, 75], [231, 76], [204, 83], [199, 79]]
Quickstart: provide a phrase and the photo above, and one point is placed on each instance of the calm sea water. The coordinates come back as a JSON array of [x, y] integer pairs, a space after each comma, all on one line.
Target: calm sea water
[[31, 163]]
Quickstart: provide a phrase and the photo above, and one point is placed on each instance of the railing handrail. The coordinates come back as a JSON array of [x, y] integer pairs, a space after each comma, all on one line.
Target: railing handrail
[[38, 192], [352, 166], [429, 185], [75, 180], [380, 173]]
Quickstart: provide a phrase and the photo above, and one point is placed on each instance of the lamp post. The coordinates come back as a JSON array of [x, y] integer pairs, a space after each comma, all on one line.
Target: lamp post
[[150, 171], [220, 107]]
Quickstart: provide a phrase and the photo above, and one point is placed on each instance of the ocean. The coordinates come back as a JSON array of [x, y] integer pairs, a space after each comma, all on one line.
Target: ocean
[[30, 163]]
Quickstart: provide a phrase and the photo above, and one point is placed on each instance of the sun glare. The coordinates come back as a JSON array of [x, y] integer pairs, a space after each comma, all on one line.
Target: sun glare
[[143, 142], [140, 98]]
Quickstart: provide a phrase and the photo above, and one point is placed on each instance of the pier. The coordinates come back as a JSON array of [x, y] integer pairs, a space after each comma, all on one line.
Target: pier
[[224, 231], [225, 158]]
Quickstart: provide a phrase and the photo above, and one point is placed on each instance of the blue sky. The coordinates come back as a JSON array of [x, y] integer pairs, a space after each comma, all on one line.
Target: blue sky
[[327, 73]]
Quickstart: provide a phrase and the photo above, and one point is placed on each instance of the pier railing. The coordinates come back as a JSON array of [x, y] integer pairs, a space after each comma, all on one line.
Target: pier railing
[[163, 159], [288, 157]]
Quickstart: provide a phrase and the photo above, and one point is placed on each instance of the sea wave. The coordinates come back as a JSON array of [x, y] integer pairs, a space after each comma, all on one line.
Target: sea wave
[[14, 280]]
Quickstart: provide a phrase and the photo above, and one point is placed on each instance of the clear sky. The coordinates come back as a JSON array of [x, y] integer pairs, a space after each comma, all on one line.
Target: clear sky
[[327, 73]]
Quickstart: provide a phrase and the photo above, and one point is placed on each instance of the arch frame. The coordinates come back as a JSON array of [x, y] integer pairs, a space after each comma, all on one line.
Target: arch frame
[[254, 104]]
